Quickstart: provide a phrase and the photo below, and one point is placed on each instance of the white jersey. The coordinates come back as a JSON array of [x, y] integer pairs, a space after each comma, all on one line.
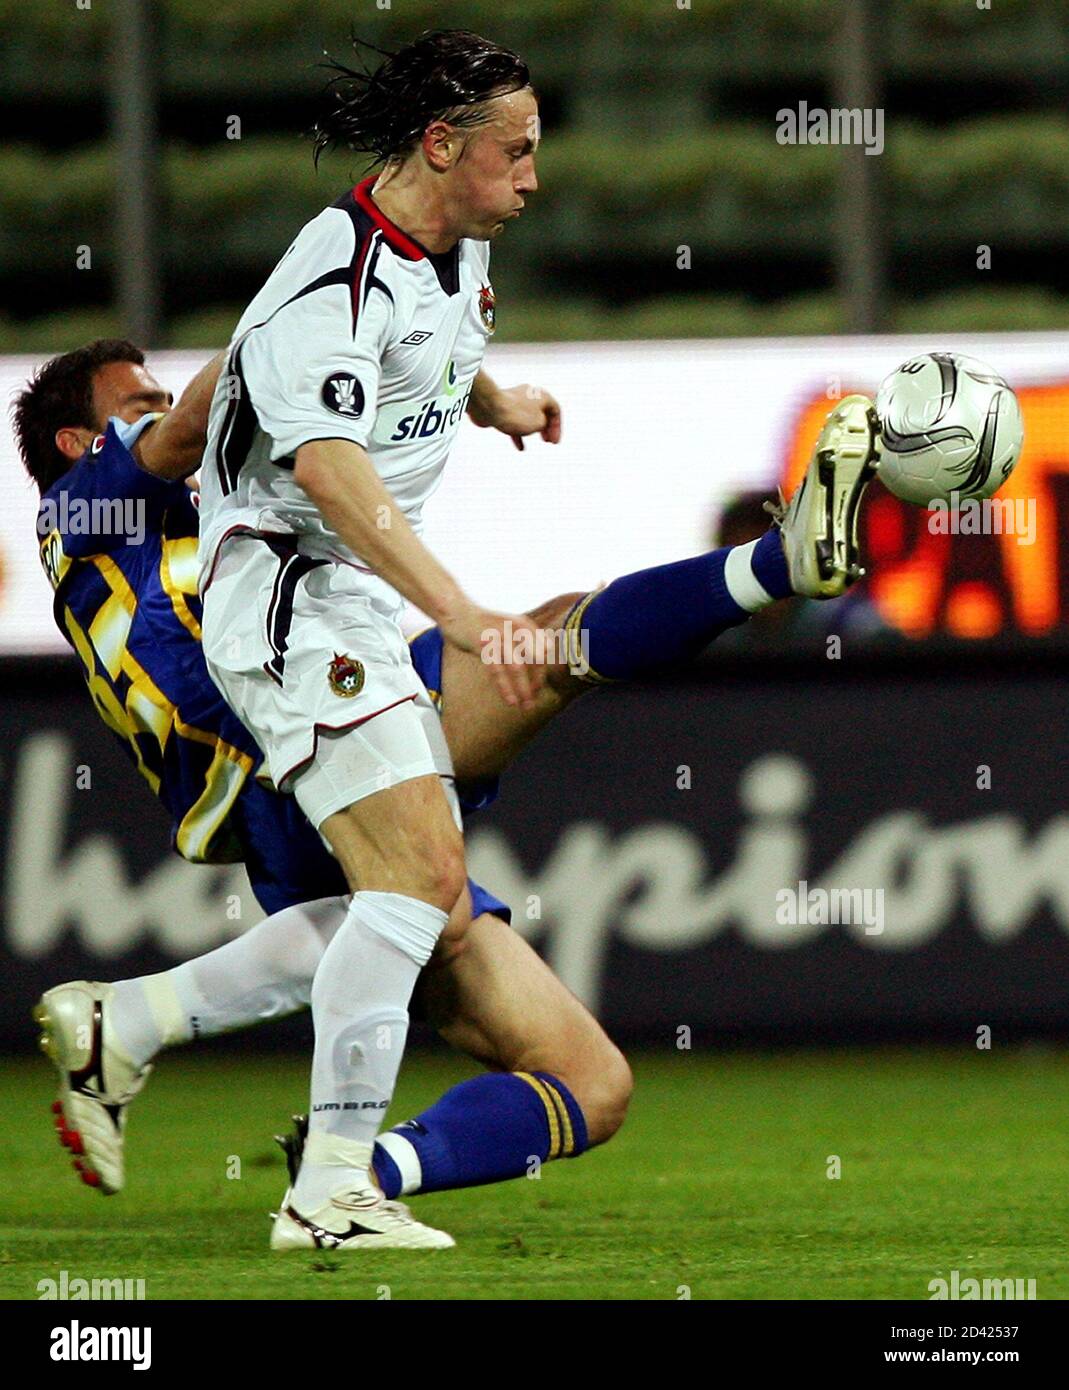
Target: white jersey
[[359, 333]]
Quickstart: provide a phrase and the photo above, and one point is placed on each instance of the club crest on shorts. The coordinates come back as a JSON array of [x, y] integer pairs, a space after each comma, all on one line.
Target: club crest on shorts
[[343, 394], [346, 676], [487, 311]]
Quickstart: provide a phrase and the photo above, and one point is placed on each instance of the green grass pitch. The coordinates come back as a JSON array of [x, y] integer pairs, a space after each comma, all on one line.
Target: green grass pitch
[[717, 1185]]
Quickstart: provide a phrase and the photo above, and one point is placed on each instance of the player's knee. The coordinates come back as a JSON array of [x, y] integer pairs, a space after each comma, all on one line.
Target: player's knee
[[443, 876], [560, 673], [449, 876], [605, 1093], [599, 1077], [553, 612], [429, 862], [455, 936]]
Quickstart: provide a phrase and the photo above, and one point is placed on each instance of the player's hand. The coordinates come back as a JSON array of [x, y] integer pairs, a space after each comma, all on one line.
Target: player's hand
[[507, 645], [522, 410]]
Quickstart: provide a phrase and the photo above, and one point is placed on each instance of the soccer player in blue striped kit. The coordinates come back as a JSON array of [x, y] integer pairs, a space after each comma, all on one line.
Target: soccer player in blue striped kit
[[637, 623]]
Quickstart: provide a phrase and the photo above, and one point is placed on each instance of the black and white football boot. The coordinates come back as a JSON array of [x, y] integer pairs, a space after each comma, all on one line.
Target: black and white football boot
[[357, 1218]]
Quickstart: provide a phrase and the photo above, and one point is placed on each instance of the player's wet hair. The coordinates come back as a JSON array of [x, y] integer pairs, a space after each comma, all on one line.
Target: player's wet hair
[[445, 74], [60, 396]]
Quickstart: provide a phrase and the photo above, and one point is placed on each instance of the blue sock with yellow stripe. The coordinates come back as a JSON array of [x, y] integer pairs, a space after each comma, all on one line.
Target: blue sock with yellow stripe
[[667, 614], [484, 1130]]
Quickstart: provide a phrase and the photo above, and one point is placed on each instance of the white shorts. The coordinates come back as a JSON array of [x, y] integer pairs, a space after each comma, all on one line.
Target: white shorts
[[306, 655]]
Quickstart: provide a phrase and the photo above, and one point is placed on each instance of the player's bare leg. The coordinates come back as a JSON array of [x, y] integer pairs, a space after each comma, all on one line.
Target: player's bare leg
[[401, 840], [499, 1002], [484, 735], [670, 613]]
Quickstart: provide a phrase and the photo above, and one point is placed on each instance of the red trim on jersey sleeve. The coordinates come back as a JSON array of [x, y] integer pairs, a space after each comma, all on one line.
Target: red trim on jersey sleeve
[[393, 233]]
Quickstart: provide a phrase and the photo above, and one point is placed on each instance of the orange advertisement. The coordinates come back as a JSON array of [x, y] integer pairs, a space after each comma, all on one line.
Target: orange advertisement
[[927, 583]]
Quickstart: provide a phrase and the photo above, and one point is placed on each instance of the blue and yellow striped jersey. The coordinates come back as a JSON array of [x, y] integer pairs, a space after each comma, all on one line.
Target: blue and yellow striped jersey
[[119, 547]]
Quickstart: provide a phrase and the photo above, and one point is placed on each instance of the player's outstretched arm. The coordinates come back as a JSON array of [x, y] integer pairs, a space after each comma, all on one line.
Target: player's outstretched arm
[[341, 480], [517, 411], [173, 446]]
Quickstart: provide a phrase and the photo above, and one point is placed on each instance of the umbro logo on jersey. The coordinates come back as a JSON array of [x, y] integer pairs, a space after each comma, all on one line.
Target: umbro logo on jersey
[[343, 394], [414, 339]]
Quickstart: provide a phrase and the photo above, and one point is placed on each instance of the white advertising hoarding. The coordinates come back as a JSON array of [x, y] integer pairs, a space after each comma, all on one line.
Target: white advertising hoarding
[[656, 437]]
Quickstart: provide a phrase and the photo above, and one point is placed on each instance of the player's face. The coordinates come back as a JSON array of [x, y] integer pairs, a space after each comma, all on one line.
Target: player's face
[[128, 391], [496, 171], [119, 388]]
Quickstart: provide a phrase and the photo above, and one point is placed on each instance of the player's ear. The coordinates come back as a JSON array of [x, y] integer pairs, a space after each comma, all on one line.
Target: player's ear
[[441, 146], [72, 443]]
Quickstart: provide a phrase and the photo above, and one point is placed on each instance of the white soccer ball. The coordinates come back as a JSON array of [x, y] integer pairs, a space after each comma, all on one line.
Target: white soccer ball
[[950, 425]]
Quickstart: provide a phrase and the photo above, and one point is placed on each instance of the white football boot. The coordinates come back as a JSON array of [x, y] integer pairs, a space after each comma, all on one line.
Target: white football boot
[[358, 1219], [819, 524], [97, 1079]]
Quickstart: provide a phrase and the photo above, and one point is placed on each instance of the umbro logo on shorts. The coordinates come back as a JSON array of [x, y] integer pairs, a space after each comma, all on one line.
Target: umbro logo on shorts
[[343, 394]]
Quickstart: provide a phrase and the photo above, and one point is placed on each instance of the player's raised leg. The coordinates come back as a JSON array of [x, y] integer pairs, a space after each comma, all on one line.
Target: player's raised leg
[[659, 617]]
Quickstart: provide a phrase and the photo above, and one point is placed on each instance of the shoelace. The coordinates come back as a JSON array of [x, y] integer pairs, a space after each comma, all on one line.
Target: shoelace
[[777, 510]]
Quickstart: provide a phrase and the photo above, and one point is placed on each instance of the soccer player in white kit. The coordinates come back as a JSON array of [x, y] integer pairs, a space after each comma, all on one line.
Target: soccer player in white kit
[[345, 382]]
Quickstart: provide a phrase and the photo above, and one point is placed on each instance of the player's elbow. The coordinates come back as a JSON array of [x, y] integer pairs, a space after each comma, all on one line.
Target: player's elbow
[[307, 470], [171, 448], [315, 471]]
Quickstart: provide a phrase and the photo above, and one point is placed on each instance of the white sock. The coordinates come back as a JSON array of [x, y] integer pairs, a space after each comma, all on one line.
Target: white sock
[[329, 1165], [360, 1000], [741, 582], [267, 973]]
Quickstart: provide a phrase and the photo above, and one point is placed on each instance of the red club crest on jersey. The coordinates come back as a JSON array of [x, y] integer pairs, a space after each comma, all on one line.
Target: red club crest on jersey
[[487, 312], [346, 676]]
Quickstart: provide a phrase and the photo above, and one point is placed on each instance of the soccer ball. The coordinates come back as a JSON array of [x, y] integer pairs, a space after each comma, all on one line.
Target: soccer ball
[[950, 425]]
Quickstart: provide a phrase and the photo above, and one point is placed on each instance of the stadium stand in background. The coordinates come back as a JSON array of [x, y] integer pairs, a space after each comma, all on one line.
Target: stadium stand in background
[[659, 133]]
